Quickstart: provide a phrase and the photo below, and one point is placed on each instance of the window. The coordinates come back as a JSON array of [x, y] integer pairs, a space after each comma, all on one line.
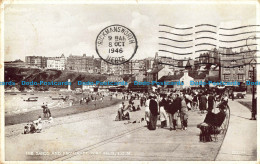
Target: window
[[226, 77], [240, 77], [241, 68], [250, 74], [226, 69]]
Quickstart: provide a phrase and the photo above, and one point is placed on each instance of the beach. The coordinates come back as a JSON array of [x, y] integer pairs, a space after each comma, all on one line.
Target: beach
[[18, 113]]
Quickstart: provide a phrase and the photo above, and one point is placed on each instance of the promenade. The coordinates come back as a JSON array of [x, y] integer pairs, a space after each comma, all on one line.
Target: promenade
[[240, 142], [95, 136]]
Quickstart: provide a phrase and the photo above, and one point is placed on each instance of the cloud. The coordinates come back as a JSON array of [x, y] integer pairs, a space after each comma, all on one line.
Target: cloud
[[77, 49], [99, 26], [139, 20]]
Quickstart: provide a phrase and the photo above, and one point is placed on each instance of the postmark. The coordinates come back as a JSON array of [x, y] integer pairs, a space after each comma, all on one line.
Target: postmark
[[116, 44]]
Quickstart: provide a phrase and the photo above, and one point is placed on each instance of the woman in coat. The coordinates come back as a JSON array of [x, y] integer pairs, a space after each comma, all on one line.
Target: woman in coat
[[184, 114], [203, 103], [163, 115], [176, 109], [147, 111], [153, 107], [211, 100]]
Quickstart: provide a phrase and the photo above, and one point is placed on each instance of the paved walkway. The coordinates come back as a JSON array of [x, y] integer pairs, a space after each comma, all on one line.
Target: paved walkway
[[240, 142], [95, 136], [142, 144]]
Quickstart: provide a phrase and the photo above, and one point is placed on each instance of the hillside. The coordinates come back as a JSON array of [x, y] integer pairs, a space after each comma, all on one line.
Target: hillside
[[17, 74]]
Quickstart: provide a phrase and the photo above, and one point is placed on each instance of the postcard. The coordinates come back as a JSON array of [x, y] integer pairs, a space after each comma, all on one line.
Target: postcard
[[121, 81]]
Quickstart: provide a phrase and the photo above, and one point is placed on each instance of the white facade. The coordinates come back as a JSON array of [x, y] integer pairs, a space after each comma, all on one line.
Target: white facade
[[186, 80], [56, 63]]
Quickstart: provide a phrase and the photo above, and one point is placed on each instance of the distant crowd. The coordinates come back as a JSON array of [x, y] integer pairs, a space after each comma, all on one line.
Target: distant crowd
[[171, 108]]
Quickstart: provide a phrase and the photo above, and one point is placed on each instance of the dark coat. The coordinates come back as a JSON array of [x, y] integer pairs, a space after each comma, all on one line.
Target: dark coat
[[177, 104], [163, 103], [167, 106], [210, 102], [203, 102], [153, 106]]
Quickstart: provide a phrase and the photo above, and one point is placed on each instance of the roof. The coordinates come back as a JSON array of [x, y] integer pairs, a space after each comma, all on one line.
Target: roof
[[156, 70], [197, 75], [194, 74], [212, 78], [171, 77]]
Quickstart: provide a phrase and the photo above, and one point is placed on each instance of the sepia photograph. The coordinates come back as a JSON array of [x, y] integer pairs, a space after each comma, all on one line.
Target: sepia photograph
[[129, 81]]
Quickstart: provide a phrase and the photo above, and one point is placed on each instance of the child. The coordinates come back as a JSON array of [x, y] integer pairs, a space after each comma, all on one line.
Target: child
[[32, 128], [38, 127], [50, 120], [26, 129]]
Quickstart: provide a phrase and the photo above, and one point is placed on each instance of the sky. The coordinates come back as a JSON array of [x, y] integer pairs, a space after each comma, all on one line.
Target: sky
[[51, 29]]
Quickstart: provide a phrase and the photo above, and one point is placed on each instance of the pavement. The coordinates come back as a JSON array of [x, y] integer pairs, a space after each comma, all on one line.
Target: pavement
[[95, 136], [240, 142]]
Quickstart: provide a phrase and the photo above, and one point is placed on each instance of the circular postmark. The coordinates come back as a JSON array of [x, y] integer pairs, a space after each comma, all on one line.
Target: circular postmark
[[116, 44]]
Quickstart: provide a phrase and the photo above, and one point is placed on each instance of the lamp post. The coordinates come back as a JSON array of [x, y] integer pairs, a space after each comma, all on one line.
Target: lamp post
[[253, 112]]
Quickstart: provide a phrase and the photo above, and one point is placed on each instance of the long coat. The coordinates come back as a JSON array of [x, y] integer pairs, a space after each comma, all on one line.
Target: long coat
[[203, 103], [177, 104], [210, 102], [184, 110]]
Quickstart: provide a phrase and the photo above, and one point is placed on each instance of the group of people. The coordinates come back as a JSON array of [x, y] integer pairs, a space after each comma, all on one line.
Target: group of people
[[46, 111], [123, 110], [33, 127], [36, 125], [169, 108], [122, 113]]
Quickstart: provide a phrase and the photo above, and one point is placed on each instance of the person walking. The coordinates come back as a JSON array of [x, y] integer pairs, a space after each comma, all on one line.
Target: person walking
[[147, 111], [167, 110], [153, 107], [171, 112], [176, 107], [203, 103], [44, 110], [211, 101], [47, 112], [195, 102], [184, 114], [163, 115]]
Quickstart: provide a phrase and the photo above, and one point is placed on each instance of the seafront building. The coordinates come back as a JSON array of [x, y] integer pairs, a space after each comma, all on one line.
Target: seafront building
[[56, 62], [214, 65], [80, 63], [36, 61]]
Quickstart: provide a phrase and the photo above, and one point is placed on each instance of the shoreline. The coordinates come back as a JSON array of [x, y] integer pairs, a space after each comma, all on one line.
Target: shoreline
[[59, 112]]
